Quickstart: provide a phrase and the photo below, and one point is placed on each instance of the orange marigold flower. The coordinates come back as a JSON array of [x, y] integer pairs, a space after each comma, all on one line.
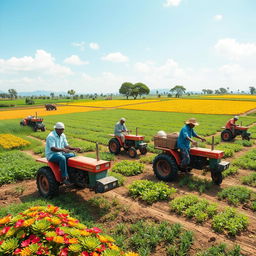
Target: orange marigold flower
[[131, 254], [95, 254], [28, 222], [26, 252], [85, 233], [59, 239], [113, 247], [103, 239], [72, 241], [5, 220]]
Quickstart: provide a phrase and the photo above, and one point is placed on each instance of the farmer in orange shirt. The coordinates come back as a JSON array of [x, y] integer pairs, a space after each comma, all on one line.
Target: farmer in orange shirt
[[231, 124]]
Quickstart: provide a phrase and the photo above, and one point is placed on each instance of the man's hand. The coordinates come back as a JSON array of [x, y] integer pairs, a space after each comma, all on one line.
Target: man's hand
[[66, 150], [203, 139], [77, 149]]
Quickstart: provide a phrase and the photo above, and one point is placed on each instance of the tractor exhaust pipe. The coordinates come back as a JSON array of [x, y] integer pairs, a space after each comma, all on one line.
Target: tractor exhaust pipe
[[97, 151], [137, 131], [212, 146]]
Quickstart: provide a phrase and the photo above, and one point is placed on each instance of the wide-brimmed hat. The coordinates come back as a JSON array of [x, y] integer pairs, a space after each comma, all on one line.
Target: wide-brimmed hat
[[122, 119], [59, 125], [192, 121]]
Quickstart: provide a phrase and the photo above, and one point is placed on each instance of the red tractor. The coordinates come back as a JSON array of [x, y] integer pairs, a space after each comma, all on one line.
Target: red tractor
[[83, 172], [228, 134], [131, 145], [167, 164], [35, 122]]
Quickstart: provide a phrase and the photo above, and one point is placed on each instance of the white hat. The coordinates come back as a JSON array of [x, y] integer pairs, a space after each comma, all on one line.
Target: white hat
[[236, 117], [59, 125], [122, 119]]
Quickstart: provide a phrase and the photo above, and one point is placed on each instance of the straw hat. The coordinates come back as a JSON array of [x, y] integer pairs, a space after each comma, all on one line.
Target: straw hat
[[59, 125], [192, 121]]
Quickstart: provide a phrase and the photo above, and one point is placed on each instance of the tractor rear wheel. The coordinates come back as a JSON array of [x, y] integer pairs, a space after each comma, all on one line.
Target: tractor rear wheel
[[46, 182], [226, 135], [43, 129], [143, 151], [216, 177], [132, 152], [114, 146], [165, 167]]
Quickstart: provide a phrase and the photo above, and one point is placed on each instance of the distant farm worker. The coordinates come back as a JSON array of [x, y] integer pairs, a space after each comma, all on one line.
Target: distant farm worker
[[58, 151], [184, 139], [120, 129], [231, 124]]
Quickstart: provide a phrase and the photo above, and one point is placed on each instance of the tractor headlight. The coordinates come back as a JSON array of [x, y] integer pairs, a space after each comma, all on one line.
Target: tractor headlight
[[97, 167], [107, 165]]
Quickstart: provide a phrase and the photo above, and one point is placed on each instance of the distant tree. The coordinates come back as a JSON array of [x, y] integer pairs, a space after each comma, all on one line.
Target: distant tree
[[142, 89], [126, 89], [223, 90], [71, 92], [13, 93], [252, 90], [207, 91], [178, 90], [52, 95], [217, 92]]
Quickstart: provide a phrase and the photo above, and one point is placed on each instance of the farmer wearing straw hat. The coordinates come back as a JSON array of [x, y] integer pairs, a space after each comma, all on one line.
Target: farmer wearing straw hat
[[120, 129], [57, 150], [184, 139]]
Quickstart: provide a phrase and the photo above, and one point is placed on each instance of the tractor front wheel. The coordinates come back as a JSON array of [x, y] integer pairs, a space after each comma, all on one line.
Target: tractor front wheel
[[132, 152], [143, 151], [43, 129], [217, 178], [114, 146], [226, 135], [165, 167], [46, 182]]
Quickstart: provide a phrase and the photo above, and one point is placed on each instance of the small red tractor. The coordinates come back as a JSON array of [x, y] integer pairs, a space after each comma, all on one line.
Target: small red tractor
[[50, 107], [228, 135], [167, 164], [83, 172], [33, 121], [131, 145]]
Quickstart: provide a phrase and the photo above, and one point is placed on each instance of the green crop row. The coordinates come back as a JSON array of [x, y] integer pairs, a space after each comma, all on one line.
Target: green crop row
[[250, 179], [147, 159], [247, 161], [150, 191], [236, 195], [221, 250], [229, 148], [232, 170], [16, 165], [128, 168]]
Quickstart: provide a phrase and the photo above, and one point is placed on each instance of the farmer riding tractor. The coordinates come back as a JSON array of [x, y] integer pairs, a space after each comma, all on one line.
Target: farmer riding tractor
[[231, 130], [167, 164], [33, 121], [83, 172], [131, 144]]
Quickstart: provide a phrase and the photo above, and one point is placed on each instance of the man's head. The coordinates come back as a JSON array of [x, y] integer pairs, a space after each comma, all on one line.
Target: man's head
[[191, 122], [59, 128], [122, 120], [236, 118]]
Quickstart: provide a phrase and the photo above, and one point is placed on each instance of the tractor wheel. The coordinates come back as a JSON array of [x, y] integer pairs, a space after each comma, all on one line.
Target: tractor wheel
[[132, 152], [246, 137], [22, 123], [43, 129], [165, 167], [35, 129], [114, 146], [46, 182], [143, 151], [217, 177], [226, 135]]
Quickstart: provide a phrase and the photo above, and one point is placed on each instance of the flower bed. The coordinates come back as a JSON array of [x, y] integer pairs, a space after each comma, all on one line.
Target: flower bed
[[9, 141], [49, 230]]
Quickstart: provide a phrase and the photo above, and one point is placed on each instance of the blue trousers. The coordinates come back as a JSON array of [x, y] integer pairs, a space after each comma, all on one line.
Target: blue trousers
[[61, 160], [185, 157]]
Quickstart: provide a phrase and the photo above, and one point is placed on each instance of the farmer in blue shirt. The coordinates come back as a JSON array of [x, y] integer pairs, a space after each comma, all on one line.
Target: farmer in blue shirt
[[57, 150], [184, 139], [120, 129]]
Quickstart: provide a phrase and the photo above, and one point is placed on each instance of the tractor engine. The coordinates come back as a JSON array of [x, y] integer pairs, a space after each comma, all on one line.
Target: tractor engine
[[198, 162], [129, 143], [78, 177]]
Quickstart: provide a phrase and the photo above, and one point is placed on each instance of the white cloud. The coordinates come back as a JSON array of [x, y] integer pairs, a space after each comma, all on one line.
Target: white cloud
[[218, 17], [115, 57], [234, 50], [43, 62], [75, 60], [94, 46], [169, 3], [80, 45]]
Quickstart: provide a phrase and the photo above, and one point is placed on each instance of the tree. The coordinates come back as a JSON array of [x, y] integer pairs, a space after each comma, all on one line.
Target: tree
[[13, 93], [126, 89], [142, 88], [252, 90], [52, 95], [223, 90], [178, 90], [71, 92]]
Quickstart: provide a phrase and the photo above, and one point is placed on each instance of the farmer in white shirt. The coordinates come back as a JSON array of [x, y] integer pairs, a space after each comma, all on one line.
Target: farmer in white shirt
[[120, 129]]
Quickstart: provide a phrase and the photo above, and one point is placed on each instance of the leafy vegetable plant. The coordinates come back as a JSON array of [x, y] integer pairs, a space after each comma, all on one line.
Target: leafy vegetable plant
[[128, 168]]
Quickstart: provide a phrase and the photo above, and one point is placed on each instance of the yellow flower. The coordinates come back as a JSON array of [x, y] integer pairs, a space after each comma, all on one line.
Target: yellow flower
[[73, 241], [113, 247], [85, 233], [28, 222], [131, 254], [58, 239], [26, 252], [106, 239], [5, 220], [32, 214]]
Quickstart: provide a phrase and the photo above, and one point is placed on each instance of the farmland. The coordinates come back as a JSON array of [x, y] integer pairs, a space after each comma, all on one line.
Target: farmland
[[190, 216]]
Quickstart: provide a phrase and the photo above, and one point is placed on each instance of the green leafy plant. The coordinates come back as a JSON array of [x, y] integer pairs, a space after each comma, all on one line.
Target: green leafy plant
[[147, 159], [128, 168], [247, 161], [221, 250], [118, 176], [230, 222], [230, 171], [150, 191], [249, 179]]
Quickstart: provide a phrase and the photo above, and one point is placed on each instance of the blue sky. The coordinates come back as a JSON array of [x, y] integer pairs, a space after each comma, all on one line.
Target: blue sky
[[95, 46]]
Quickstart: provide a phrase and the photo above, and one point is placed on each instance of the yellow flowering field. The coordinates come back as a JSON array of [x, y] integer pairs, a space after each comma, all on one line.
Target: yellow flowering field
[[9, 141], [197, 106], [111, 103], [232, 96], [22, 113]]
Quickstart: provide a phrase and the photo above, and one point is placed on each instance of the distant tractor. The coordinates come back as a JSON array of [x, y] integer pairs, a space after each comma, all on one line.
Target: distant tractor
[[83, 172], [50, 107], [228, 134], [131, 145], [35, 122], [167, 164]]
